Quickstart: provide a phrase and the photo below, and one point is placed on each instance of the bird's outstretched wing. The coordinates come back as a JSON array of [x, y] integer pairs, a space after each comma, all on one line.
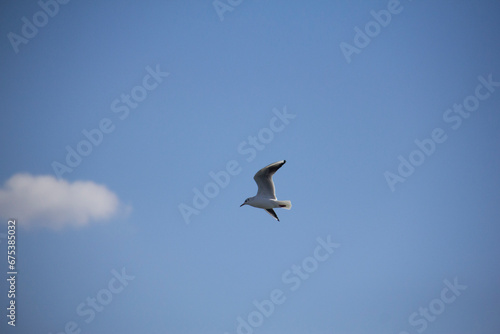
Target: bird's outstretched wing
[[272, 213], [264, 180]]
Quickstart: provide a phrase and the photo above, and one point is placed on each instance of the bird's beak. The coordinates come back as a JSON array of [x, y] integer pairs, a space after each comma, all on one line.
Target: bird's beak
[[242, 205]]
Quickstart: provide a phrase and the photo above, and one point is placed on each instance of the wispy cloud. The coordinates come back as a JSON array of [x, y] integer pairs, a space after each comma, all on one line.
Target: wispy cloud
[[44, 201]]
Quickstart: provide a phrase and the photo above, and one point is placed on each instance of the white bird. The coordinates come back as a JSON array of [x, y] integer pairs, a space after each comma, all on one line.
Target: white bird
[[266, 196]]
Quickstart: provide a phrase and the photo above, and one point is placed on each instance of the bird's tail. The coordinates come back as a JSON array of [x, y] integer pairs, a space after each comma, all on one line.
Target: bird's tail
[[285, 204]]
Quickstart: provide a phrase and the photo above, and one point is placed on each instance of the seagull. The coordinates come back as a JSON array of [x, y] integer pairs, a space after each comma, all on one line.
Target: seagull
[[266, 197]]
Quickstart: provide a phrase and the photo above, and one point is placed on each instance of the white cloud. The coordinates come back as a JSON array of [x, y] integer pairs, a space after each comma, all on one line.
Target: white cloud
[[48, 202]]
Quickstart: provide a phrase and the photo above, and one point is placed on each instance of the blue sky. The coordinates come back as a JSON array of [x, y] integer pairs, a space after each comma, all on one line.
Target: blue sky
[[169, 91]]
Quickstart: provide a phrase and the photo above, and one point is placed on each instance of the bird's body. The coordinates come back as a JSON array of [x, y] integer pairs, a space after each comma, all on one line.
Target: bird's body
[[266, 196]]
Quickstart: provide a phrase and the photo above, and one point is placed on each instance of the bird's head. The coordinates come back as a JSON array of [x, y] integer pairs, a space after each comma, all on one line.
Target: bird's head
[[246, 202]]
